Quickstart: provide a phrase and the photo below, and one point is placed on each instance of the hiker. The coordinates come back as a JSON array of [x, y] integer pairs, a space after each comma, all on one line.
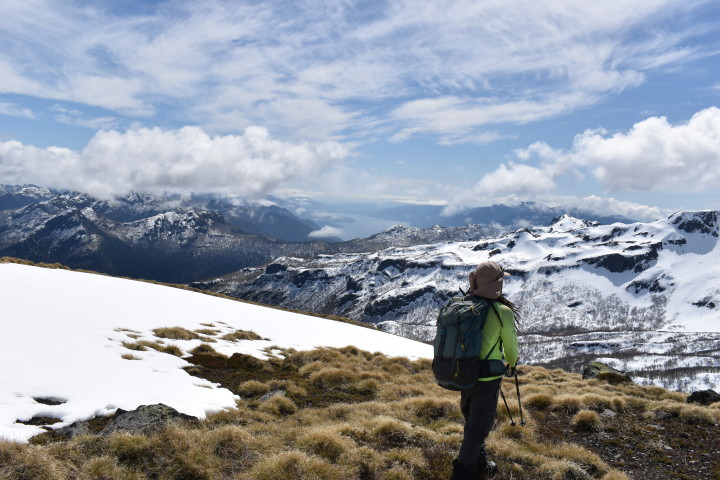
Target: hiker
[[479, 403]]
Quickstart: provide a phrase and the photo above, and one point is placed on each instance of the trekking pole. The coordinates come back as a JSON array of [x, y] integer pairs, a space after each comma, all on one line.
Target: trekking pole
[[517, 387], [512, 422]]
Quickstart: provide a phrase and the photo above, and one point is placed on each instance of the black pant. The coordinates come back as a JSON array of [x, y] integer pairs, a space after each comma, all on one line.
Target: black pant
[[479, 407]]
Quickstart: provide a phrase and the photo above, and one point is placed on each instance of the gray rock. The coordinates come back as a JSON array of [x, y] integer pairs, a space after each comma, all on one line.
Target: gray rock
[[268, 396], [146, 419], [608, 413], [704, 397], [603, 371], [73, 430]]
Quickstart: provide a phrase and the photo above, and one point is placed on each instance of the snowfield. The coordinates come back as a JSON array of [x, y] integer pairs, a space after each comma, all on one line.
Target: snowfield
[[62, 334]]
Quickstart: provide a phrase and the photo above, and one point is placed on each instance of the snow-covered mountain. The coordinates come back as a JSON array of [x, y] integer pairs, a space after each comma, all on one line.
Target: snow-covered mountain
[[639, 293], [262, 218], [169, 238], [65, 338]]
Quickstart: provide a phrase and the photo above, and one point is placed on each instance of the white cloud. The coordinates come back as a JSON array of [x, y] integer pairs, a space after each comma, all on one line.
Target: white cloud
[[515, 178], [325, 232], [591, 203], [653, 155], [321, 69], [188, 159], [14, 110]]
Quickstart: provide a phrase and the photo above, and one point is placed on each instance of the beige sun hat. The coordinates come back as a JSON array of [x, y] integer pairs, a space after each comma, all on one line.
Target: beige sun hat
[[487, 280]]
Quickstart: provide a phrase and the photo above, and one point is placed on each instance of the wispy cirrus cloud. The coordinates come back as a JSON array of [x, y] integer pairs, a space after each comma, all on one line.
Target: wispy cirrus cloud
[[323, 69], [15, 110]]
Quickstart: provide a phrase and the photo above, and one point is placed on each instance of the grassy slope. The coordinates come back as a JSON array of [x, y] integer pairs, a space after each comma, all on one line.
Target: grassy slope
[[350, 414]]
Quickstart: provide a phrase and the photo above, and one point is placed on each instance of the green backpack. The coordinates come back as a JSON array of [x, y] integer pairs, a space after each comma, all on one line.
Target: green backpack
[[456, 363]]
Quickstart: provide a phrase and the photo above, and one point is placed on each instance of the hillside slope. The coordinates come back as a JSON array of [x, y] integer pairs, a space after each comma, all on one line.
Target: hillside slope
[[91, 344]]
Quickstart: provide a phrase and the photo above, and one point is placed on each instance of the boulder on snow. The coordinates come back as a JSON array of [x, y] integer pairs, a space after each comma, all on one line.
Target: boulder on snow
[[605, 372], [704, 397]]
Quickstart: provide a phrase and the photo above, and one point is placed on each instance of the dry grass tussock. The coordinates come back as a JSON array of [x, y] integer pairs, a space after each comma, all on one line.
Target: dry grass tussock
[[355, 415]]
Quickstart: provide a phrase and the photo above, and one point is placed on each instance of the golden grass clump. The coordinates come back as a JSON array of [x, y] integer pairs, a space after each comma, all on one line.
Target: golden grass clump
[[127, 448], [241, 335], [562, 470], [586, 421], [538, 401], [426, 409], [180, 452], [135, 346], [143, 345], [106, 468], [596, 402], [205, 349], [697, 415], [331, 378], [22, 462], [240, 415], [325, 442], [296, 465], [129, 356], [324, 356], [566, 403], [397, 473], [232, 444], [367, 462], [279, 405], [207, 331], [384, 432], [175, 333], [170, 349], [252, 388], [516, 432], [589, 461], [412, 459]]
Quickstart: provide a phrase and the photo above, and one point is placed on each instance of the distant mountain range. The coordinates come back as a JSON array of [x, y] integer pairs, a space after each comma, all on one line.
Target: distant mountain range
[[173, 239], [638, 293], [526, 214]]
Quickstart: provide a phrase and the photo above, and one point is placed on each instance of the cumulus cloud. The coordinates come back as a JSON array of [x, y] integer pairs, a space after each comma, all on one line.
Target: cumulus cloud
[[653, 155], [188, 159]]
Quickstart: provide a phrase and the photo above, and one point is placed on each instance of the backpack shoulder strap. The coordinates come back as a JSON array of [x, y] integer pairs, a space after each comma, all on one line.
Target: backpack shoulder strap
[[497, 312]]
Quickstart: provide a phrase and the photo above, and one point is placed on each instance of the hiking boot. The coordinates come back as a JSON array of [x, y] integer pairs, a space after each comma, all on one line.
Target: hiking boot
[[461, 472], [486, 472]]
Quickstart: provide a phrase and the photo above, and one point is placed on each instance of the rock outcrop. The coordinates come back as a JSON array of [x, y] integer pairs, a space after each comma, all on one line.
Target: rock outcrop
[[605, 372]]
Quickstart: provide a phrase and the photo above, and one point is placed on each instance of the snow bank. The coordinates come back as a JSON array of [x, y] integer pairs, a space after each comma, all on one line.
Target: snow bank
[[61, 335]]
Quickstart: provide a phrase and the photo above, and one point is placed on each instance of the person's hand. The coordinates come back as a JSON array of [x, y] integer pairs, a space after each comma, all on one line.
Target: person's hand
[[510, 371]]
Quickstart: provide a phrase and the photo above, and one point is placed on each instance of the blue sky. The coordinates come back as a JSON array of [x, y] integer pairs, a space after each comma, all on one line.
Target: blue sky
[[607, 105]]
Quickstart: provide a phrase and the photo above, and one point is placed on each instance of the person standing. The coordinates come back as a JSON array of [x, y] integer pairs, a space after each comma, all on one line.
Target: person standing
[[479, 403]]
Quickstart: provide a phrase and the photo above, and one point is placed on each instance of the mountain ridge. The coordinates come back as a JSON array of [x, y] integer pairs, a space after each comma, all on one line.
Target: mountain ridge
[[576, 283]]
